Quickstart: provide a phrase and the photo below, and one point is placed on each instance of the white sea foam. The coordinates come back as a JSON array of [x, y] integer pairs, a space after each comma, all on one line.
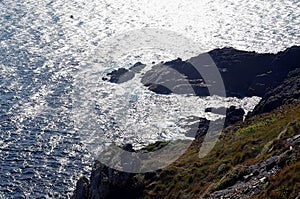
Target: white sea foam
[[43, 48], [130, 113]]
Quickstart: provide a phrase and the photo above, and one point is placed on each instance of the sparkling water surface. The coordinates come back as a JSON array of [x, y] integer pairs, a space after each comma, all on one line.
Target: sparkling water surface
[[55, 112]]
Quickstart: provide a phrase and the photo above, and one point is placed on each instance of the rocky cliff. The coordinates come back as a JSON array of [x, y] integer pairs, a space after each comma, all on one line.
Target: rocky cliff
[[255, 158], [287, 92], [243, 73]]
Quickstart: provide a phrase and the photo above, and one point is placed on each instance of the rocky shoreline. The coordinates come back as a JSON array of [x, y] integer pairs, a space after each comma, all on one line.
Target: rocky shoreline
[[274, 77], [244, 74]]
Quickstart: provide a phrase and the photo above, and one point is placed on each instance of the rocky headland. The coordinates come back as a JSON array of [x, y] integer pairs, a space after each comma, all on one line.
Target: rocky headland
[[244, 73], [255, 158]]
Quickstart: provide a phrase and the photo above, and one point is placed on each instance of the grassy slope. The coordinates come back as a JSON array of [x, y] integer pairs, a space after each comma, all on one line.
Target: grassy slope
[[239, 146]]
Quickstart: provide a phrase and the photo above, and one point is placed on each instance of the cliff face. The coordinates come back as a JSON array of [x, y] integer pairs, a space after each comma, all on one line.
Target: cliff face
[[249, 159], [287, 92], [106, 182], [110, 183], [255, 158]]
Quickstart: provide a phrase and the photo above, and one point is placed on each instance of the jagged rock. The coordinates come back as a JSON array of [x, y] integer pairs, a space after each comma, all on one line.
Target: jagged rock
[[239, 70], [122, 75], [286, 93], [107, 183], [219, 111], [159, 89], [137, 67], [233, 116], [176, 76], [243, 73], [128, 147], [119, 76], [196, 127], [207, 110], [82, 189]]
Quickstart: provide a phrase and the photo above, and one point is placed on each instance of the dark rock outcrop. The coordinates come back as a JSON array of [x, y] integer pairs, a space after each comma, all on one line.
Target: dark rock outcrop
[[122, 75], [239, 70], [243, 73], [234, 115], [176, 76], [109, 183], [158, 88], [119, 76], [196, 127], [82, 189], [276, 78], [286, 93]]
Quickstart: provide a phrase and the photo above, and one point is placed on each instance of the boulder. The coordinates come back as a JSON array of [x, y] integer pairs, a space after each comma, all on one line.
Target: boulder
[[234, 115]]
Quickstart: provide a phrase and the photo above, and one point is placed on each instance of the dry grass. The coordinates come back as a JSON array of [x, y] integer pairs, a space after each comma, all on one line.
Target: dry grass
[[240, 145]]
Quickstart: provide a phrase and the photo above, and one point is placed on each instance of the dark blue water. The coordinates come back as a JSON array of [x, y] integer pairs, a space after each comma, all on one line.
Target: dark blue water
[[40, 151]]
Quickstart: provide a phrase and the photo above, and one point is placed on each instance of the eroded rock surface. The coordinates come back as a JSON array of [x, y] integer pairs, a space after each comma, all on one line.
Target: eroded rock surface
[[244, 74], [286, 93]]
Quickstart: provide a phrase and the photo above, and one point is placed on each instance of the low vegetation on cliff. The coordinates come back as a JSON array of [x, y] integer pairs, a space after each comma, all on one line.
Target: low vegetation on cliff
[[250, 144], [255, 158]]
